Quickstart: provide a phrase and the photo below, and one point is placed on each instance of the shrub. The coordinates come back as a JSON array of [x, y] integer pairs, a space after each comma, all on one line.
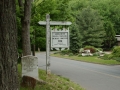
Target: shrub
[[64, 52], [110, 56], [81, 50], [115, 55], [116, 51], [96, 54], [56, 52], [117, 58], [71, 54], [105, 57], [79, 55], [99, 49], [91, 48]]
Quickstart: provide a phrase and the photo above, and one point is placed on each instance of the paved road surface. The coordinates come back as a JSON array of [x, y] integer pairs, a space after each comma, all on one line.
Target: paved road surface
[[89, 76]]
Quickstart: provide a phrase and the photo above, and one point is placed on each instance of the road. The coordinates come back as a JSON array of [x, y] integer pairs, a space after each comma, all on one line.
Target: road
[[89, 76]]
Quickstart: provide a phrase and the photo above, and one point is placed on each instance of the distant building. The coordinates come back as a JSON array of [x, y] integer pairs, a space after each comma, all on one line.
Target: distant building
[[118, 39]]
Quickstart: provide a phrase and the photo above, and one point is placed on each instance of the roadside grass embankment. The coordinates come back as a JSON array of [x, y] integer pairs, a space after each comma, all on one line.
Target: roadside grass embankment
[[90, 59], [53, 82]]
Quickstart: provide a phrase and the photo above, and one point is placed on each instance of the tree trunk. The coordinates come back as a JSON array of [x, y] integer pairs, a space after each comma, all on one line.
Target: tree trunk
[[25, 7], [33, 49], [26, 28], [8, 46], [33, 45]]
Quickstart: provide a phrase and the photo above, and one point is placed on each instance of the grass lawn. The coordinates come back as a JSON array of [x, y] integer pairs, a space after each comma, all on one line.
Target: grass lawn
[[54, 82], [91, 59]]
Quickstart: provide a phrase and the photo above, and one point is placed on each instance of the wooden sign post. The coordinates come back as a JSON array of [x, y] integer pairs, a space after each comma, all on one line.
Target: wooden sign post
[[48, 23], [48, 44]]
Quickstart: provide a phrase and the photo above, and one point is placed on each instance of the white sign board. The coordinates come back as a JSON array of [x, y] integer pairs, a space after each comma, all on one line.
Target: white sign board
[[60, 39], [30, 66]]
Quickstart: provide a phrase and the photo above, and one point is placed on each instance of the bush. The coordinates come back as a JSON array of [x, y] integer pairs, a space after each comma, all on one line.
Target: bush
[[116, 51], [56, 52], [81, 50], [96, 54], [79, 55], [99, 49], [115, 55], [91, 48], [117, 58], [71, 54], [64, 52], [105, 57]]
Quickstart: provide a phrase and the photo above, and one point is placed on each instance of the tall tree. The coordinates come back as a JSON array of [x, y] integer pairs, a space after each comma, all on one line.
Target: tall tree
[[109, 10], [34, 27], [25, 8], [8, 46], [57, 9], [63, 9], [91, 27], [75, 39], [109, 40]]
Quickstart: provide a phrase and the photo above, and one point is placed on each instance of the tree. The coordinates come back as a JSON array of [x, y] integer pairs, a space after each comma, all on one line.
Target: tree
[[91, 27], [39, 11], [35, 29], [58, 10], [63, 11], [25, 8], [77, 5], [75, 39], [8, 46], [110, 35], [109, 10]]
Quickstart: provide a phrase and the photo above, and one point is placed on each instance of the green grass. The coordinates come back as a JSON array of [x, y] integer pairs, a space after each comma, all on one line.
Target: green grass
[[91, 59], [54, 82]]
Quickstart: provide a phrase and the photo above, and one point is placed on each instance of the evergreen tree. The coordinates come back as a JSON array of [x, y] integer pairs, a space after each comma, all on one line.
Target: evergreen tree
[[91, 27], [110, 35], [75, 39]]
